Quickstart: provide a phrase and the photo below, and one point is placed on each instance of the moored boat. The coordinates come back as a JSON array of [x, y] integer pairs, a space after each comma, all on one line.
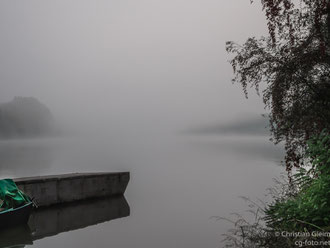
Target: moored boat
[[15, 206], [15, 216]]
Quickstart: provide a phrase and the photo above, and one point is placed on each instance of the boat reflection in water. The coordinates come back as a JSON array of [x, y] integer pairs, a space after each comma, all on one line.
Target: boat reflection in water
[[16, 237], [50, 221]]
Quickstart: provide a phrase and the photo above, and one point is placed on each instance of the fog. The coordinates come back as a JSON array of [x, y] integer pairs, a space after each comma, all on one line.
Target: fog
[[141, 86], [154, 65]]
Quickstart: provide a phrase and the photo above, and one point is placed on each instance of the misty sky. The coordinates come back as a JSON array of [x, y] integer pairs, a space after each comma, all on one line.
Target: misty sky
[[149, 62]]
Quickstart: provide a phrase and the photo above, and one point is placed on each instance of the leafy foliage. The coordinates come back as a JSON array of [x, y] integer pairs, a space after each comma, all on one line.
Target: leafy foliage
[[319, 151], [294, 64], [310, 207], [309, 210], [299, 206]]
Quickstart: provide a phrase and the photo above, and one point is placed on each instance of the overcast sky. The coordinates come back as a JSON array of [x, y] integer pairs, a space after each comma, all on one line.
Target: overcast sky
[[145, 62]]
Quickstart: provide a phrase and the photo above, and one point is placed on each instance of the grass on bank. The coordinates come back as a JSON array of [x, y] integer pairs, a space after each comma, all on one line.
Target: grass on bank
[[299, 207]]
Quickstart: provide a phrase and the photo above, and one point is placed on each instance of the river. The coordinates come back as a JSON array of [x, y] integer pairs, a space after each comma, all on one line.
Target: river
[[178, 182]]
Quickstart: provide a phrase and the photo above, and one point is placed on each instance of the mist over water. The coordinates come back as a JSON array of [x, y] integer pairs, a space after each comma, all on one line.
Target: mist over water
[[140, 86], [128, 65], [177, 184]]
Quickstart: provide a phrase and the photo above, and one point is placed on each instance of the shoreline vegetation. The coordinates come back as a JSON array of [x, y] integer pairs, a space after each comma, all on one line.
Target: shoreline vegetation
[[292, 64], [298, 215]]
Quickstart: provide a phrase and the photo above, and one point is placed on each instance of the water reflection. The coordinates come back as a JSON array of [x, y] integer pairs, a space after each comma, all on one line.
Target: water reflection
[[179, 182], [16, 237], [46, 222], [248, 147]]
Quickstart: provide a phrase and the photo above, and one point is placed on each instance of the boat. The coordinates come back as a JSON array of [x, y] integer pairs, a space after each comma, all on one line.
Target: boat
[[15, 206], [15, 216]]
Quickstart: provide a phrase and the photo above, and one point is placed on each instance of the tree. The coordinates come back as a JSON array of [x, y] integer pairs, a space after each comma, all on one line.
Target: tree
[[293, 62]]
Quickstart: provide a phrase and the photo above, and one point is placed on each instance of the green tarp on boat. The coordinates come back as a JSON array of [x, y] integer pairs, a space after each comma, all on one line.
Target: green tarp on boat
[[11, 196]]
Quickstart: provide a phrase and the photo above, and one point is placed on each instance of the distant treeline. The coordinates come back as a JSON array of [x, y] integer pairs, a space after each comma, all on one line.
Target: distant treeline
[[255, 125], [25, 117]]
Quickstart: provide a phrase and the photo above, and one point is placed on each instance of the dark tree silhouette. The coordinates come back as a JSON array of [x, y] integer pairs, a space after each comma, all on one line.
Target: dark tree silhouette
[[24, 117], [294, 64]]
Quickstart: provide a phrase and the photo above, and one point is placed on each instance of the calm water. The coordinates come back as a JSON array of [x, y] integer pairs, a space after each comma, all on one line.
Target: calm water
[[177, 183], [130, 75]]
